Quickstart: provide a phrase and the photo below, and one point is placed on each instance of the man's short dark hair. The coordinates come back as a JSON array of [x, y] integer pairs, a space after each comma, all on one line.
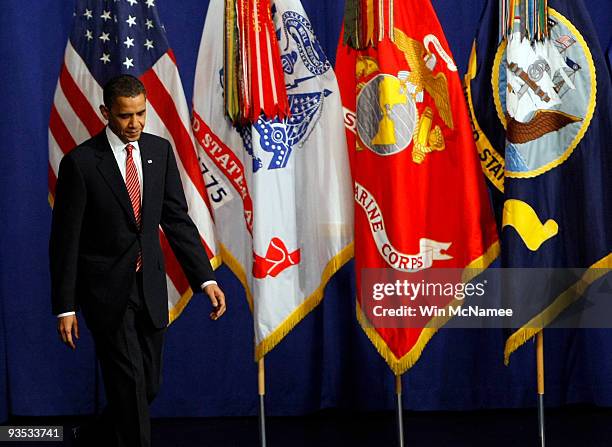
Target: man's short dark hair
[[122, 85]]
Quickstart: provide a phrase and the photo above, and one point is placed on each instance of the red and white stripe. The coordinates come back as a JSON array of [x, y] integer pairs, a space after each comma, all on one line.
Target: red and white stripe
[[75, 117]]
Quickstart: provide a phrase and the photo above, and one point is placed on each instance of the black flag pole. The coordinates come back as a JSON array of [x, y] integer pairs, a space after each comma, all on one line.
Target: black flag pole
[[400, 417], [261, 385]]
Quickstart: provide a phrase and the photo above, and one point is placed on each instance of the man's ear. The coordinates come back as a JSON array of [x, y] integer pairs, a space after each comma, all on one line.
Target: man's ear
[[104, 111]]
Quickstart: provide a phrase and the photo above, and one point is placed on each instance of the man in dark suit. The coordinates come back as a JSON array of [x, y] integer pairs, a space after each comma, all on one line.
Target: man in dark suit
[[113, 192]]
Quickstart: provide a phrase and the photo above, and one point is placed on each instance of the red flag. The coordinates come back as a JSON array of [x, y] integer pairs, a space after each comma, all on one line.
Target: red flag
[[420, 199]]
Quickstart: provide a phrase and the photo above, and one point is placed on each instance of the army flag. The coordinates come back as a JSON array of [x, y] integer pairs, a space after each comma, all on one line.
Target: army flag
[[540, 111], [280, 188], [420, 197]]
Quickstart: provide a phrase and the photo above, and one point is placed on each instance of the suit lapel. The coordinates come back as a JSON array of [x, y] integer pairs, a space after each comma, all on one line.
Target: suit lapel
[[150, 175], [111, 174]]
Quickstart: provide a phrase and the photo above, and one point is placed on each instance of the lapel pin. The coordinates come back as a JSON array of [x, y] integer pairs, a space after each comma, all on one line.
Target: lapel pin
[[149, 161]]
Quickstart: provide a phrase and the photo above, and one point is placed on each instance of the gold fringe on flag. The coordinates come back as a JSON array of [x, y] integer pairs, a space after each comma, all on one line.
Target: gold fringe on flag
[[562, 302], [399, 365]]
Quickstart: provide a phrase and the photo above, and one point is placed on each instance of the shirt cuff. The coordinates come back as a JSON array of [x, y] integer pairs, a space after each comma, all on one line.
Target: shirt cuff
[[66, 314], [207, 283]]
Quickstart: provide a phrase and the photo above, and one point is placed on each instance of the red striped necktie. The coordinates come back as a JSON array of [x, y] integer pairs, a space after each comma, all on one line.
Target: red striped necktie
[[133, 188]]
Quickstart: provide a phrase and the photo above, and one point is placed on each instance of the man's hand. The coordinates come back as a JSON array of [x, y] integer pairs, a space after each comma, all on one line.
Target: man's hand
[[217, 298], [68, 327]]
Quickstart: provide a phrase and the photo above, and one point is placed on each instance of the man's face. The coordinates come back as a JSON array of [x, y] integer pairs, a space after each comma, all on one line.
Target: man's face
[[126, 117]]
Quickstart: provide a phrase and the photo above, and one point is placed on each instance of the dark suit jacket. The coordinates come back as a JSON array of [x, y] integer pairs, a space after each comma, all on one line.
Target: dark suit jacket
[[95, 240]]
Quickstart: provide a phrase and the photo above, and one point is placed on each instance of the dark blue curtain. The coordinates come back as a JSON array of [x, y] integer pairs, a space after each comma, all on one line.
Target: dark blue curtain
[[209, 370]]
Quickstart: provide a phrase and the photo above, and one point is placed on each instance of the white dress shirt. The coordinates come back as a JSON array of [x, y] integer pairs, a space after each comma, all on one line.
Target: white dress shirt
[[119, 151]]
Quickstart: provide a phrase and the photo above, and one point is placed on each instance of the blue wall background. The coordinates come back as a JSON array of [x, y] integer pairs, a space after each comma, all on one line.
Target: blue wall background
[[325, 362]]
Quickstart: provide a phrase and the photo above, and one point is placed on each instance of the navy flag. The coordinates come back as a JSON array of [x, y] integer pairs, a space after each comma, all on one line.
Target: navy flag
[[541, 118]]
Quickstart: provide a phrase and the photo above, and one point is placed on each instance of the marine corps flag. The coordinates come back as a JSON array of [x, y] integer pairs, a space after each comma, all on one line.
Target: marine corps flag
[[541, 115], [280, 188], [420, 197]]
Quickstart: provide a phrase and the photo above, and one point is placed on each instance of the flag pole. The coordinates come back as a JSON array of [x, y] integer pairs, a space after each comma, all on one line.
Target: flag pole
[[540, 376], [261, 385], [400, 419]]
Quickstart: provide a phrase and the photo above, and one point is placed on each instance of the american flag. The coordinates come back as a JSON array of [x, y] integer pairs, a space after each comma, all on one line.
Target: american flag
[[126, 36]]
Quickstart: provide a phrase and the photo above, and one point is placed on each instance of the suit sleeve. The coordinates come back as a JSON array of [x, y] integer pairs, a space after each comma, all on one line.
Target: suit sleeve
[[68, 210], [180, 230]]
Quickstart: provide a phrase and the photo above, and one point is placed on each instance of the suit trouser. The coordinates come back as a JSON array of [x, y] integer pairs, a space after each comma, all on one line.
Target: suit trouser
[[131, 359]]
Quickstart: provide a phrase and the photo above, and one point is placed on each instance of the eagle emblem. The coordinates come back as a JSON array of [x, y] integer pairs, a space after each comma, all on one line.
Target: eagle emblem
[[421, 63]]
